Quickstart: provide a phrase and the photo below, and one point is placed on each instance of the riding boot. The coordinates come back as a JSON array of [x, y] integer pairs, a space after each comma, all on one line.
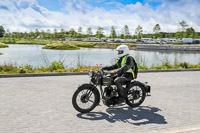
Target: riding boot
[[121, 92]]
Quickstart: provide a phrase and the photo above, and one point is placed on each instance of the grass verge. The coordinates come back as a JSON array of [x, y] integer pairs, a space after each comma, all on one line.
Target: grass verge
[[60, 46], [2, 45], [24, 41], [59, 67]]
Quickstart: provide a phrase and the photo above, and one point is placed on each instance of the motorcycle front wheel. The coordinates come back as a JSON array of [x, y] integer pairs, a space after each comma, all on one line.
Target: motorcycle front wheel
[[85, 99], [135, 95]]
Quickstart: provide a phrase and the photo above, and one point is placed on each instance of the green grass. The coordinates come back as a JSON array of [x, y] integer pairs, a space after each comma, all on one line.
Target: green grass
[[33, 41], [58, 66], [24, 41], [60, 46], [167, 66], [82, 44], [70, 45], [107, 45], [2, 45], [55, 66]]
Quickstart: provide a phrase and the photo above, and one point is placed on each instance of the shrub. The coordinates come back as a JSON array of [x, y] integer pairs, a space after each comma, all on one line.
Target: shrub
[[56, 66], [22, 70], [184, 65], [43, 69], [61, 46], [143, 67], [83, 44], [167, 65], [2, 45], [1, 68], [25, 69]]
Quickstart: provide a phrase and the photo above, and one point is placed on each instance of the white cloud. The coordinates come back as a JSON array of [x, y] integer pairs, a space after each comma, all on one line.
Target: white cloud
[[23, 15], [75, 5]]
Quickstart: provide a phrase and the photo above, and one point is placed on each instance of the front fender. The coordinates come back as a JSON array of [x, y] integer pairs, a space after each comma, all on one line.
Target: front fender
[[93, 88]]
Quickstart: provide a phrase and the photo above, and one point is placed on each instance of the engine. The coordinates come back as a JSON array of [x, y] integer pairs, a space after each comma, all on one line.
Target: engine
[[109, 94]]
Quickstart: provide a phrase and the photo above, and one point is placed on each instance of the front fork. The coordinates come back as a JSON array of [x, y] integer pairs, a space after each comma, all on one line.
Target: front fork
[[101, 89]]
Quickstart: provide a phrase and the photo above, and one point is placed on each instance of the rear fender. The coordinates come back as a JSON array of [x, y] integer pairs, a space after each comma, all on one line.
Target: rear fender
[[147, 87]]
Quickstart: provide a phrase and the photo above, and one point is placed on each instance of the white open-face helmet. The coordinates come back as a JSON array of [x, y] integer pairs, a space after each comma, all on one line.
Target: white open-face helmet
[[122, 50]]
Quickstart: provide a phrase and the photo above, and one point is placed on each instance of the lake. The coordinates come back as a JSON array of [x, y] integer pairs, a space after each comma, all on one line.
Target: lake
[[35, 56]]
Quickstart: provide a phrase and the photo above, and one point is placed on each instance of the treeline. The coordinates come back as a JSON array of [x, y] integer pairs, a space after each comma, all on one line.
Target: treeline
[[184, 32]]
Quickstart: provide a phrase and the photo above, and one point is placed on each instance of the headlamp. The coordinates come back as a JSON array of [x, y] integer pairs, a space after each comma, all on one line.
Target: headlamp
[[91, 73]]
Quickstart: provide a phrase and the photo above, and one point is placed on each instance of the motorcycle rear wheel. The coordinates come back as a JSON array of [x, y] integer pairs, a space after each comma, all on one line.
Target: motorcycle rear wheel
[[85, 99], [135, 95]]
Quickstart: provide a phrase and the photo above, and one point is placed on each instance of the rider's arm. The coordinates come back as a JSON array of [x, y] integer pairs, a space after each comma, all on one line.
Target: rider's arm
[[128, 64], [110, 67]]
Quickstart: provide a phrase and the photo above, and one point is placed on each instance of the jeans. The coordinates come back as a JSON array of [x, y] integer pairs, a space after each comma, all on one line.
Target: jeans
[[119, 81]]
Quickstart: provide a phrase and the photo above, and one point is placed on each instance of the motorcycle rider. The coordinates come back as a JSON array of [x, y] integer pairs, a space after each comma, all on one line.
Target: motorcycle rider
[[127, 70]]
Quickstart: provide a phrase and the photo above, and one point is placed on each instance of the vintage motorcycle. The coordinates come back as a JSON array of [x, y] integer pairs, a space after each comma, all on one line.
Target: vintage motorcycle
[[87, 96]]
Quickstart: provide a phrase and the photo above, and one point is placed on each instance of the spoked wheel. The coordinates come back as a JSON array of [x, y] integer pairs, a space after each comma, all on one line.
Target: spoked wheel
[[85, 99], [135, 95]]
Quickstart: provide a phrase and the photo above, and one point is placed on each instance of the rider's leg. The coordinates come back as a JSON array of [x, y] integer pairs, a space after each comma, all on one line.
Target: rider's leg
[[119, 81]]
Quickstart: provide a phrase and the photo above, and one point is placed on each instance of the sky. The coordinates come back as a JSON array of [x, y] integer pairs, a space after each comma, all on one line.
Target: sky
[[28, 15]]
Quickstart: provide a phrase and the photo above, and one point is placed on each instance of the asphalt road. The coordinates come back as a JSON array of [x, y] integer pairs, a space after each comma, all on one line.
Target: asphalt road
[[43, 105]]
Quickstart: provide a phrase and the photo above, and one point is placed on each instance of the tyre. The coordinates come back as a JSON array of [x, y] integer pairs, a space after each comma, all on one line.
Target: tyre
[[135, 94], [85, 98]]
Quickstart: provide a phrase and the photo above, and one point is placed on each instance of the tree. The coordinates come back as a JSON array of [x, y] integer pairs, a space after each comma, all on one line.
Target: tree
[[183, 25], [37, 32], [190, 33], [55, 33], [113, 32], [42, 34], [89, 32], [122, 34], [48, 34], [197, 35], [72, 33], [2, 31], [80, 32], [7, 33], [161, 35], [99, 32], [126, 32], [62, 33], [138, 32], [178, 35], [156, 30], [31, 34]]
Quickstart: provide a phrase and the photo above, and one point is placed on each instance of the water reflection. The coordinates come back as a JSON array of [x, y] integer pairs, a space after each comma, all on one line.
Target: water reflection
[[36, 56]]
